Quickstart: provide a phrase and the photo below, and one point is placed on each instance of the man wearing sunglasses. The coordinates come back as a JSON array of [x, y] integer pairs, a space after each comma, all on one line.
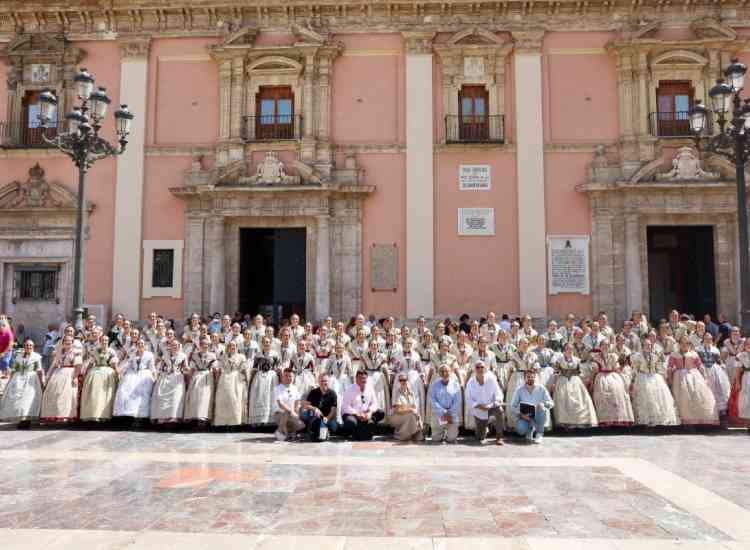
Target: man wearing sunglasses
[[360, 409]]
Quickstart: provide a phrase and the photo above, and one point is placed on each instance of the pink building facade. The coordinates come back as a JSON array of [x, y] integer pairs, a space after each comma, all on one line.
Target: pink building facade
[[403, 158]]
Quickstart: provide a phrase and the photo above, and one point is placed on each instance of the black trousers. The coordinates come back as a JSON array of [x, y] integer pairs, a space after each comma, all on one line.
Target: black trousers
[[358, 430]]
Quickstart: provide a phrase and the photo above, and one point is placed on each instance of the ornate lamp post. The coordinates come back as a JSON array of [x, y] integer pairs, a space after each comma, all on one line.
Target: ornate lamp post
[[83, 145], [731, 142]]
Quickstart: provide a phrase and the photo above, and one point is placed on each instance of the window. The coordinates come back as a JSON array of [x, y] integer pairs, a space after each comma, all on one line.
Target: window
[[163, 268], [275, 113], [673, 100], [36, 283], [31, 132], [472, 112]]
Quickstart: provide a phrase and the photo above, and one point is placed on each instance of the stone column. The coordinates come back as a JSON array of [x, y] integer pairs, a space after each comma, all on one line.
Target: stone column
[[643, 95], [128, 215], [225, 98], [194, 232], [235, 120], [633, 275], [323, 269], [215, 264], [420, 248], [530, 169]]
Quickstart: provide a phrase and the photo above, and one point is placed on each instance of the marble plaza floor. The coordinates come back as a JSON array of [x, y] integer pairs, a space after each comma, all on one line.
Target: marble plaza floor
[[106, 489]]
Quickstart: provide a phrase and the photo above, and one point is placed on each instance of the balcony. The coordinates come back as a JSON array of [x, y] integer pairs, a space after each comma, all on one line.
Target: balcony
[[271, 128], [15, 135], [474, 129], [674, 124]]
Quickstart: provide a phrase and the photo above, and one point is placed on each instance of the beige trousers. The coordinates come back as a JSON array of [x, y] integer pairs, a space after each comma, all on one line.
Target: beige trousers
[[288, 424], [407, 425]]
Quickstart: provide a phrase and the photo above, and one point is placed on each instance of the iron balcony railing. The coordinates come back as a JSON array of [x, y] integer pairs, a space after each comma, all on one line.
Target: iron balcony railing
[[14, 135], [474, 129], [272, 127], [674, 124]]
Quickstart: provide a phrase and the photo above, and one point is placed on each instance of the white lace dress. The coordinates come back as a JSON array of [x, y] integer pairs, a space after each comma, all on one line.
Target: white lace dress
[[653, 404]]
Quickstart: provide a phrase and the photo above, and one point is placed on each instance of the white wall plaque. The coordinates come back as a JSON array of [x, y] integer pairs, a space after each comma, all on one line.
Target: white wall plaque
[[474, 177], [40, 73], [476, 221], [474, 67], [568, 264]]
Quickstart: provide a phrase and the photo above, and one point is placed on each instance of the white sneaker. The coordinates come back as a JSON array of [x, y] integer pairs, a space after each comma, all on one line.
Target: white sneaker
[[280, 436], [530, 435], [538, 438]]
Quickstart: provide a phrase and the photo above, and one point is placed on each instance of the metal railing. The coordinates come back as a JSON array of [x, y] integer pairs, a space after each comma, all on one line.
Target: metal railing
[[674, 124], [272, 127], [474, 129], [15, 135]]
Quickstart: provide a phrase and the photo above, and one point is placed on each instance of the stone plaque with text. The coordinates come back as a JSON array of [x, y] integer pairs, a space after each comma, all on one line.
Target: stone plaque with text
[[476, 221], [474, 177], [568, 264], [384, 267]]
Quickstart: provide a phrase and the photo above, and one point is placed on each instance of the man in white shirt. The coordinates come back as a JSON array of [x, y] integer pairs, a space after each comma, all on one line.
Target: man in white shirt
[[286, 403], [360, 409], [485, 400], [536, 402]]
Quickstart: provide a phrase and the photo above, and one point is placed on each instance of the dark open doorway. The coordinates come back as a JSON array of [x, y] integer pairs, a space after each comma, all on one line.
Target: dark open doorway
[[273, 272], [681, 270]]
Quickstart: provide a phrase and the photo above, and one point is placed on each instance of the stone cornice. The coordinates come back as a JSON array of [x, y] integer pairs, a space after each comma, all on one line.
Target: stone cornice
[[418, 42], [528, 41]]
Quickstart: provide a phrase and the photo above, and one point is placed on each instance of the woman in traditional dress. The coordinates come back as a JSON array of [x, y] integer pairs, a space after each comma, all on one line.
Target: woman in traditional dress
[[515, 333], [339, 369], [231, 388], [22, 399], [653, 404], [357, 349], [286, 349], [193, 329], [527, 331], [217, 346], [740, 410], [199, 399], [60, 399], [623, 354], [610, 389], [554, 338], [695, 401], [523, 360], [503, 350], [545, 361], [248, 347], [405, 415], [137, 375], [324, 345], [716, 375], [257, 330], [391, 349], [427, 349], [731, 348], [377, 375], [573, 405], [305, 373], [100, 383], [168, 399], [410, 363], [264, 382]]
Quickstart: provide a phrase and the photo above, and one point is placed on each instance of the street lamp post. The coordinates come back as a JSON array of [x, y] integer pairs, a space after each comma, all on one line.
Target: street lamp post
[[83, 145], [731, 142]]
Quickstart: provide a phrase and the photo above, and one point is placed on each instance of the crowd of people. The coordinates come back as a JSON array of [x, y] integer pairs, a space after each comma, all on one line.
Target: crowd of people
[[486, 376]]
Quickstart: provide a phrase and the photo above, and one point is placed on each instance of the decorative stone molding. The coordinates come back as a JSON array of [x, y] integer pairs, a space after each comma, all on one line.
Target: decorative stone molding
[[528, 41], [38, 61], [37, 194], [271, 171], [135, 48], [621, 211], [418, 42], [331, 213], [473, 56], [686, 166]]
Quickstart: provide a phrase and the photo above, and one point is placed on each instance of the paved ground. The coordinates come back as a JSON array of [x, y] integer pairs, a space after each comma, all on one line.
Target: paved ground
[[113, 489]]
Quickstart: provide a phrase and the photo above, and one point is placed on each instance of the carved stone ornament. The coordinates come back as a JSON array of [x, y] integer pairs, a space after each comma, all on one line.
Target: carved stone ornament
[[419, 42], [36, 192], [528, 41], [686, 166], [271, 171], [135, 48]]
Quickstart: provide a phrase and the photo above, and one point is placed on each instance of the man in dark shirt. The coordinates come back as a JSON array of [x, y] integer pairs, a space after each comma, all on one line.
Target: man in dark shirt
[[711, 327], [725, 328], [320, 408]]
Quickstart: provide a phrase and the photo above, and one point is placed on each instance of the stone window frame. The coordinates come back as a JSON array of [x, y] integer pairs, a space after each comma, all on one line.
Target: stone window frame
[[27, 50], [283, 71], [677, 65], [494, 51], [149, 291]]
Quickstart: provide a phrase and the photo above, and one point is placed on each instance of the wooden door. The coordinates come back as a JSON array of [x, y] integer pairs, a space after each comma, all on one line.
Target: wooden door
[[275, 113], [473, 121], [674, 99]]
